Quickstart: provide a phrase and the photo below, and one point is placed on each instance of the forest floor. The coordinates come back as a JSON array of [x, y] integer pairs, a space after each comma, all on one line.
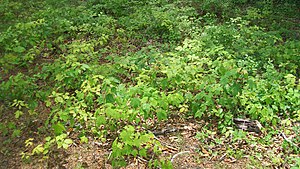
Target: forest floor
[[74, 76], [180, 144]]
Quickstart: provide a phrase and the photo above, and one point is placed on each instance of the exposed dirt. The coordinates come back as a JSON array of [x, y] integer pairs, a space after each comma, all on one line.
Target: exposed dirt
[[95, 155], [179, 145]]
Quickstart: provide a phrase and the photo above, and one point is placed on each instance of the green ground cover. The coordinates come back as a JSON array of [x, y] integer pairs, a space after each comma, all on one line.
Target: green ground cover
[[112, 71]]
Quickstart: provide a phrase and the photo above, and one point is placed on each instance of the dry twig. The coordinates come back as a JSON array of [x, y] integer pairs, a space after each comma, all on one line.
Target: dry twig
[[289, 141], [178, 154]]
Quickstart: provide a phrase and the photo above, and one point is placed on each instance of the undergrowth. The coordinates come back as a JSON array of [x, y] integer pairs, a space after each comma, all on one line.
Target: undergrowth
[[101, 69]]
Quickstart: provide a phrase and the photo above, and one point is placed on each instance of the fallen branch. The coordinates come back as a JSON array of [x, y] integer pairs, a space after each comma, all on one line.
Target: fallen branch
[[287, 140], [223, 156], [108, 158], [178, 154], [165, 144], [140, 158], [248, 125]]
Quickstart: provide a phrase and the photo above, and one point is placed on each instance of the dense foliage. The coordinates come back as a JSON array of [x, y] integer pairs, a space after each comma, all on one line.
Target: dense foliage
[[83, 70]]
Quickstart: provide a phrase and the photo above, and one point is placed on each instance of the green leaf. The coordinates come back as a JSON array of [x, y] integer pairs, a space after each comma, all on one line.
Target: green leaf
[[85, 66], [251, 84], [18, 113], [135, 102], [236, 88], [129, 128], [11, 125], [137, 142], [109, 98], [161, 114], [48, 138], [143, 152], [65, 146], [80, 95], [199, 96], [146, 107], [112, 113], [164, 83], [38, 149], [64, 116], [100, 120], [16, 133], [59, 99], [134, 152], [19, 49], [125, 136], [68, 141], [84, 139], [199, 114], [100, 100], [145, 138], [58, 128]]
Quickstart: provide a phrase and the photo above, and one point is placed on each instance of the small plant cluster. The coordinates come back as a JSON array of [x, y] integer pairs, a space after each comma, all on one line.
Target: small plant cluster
[[102, 69]]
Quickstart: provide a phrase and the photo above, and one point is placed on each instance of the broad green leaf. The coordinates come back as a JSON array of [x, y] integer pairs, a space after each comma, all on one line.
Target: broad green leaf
[[68, 141], [19, 49], [59, 99], [199, 114], [143, 152], [112, 113], [161, 114], [134, 152], [135, 102], [85, 66], [100, 120], [109, 98], [16, 133], [84, 139], [58, 128], [18, 113], [38, 149], [64, 116]]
